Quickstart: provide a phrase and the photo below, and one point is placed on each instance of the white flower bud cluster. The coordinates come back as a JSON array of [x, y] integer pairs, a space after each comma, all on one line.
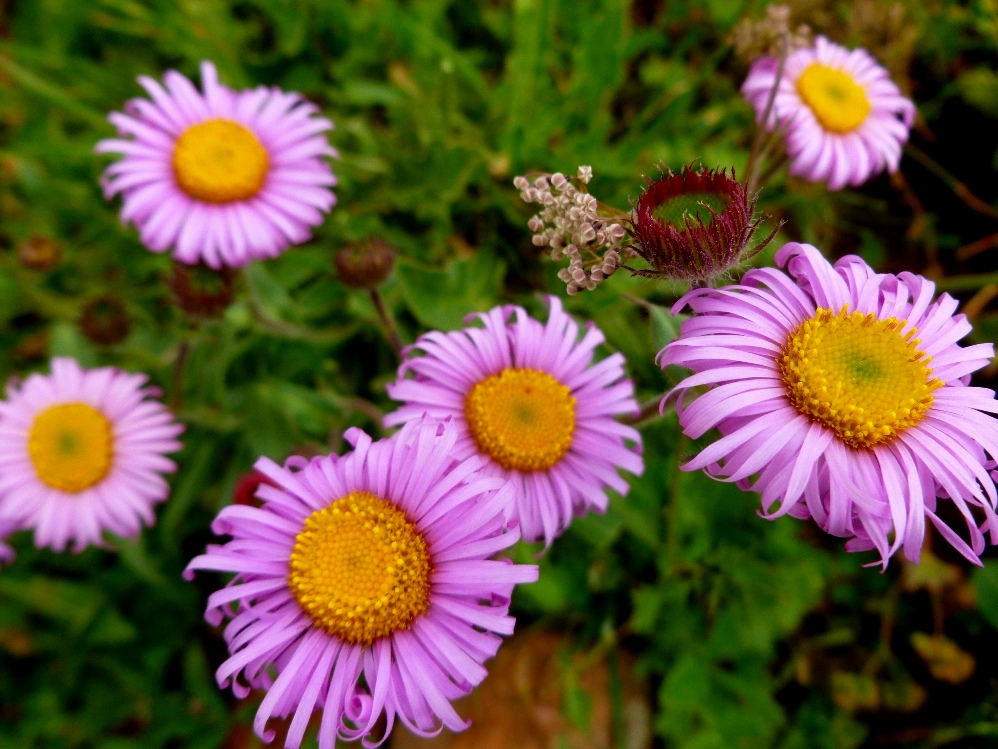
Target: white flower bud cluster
[[571, 226], [754, 39]]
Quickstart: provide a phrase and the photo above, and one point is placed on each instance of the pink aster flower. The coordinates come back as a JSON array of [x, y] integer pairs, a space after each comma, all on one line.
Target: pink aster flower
[[364, 586], [223, 177], [527, 396], [845, 394], [845, 119], [83, 451]]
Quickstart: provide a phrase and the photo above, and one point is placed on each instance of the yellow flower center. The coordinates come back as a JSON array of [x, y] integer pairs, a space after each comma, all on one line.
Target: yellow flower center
[[360, 569], [71, 446], [858, 375], [522, 418], [219, 161], [838, 102]]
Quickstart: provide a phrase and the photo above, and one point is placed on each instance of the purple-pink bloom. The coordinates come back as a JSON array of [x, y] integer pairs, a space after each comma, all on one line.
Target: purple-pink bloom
[[83, 453], [844, 393], [527, 396], [845, 118], [364, 586], [222, 177]]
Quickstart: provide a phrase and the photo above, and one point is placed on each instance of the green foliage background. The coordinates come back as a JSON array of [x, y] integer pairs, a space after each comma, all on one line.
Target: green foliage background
[[747, 633]]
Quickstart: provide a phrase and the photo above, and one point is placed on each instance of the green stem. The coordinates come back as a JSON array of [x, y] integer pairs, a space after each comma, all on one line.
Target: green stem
[[393, 334], [177, 380], [762, 128]]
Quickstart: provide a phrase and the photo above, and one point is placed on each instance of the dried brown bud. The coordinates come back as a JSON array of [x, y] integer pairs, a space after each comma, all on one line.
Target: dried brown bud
[[105, 321], [366, 264], [33, 346], [694, 226], [201, 291], [39, 253]]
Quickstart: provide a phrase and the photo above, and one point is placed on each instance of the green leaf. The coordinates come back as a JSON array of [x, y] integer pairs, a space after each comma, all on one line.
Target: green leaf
[[664, 326], [442, 298], [985, 580]]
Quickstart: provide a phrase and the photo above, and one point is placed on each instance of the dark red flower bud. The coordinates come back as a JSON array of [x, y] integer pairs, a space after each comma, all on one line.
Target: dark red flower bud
[[105, 321], [366, 264], [201, 291]]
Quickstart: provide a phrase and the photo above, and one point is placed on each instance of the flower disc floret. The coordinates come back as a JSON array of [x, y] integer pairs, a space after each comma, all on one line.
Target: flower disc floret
[[220, 161], [361, 569], [521, 418], [837, 101], [71, 446], [861, 419], [861, 377]]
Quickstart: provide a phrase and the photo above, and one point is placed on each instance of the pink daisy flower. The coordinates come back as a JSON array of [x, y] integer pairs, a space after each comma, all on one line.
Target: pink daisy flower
[[845, 394], [83, 451], [223, 177], [364, 586], [846, 120], [527, 397]]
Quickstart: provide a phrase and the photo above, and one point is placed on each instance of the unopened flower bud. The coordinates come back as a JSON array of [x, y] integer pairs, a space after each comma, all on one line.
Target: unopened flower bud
[[39, 253], [366, 264], [105, 321], [201, 291], [521, 183]]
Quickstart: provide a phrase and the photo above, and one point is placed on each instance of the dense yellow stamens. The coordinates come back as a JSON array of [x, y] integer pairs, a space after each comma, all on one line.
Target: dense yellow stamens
[[522, 418], [360, 569], [71, 446], [219, 161], [838, 102], [859, 376]]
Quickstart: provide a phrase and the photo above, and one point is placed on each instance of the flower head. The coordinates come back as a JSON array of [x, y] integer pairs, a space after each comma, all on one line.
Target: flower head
[[83, 453], [694, 226], [526, 396], [223, 177], [365, 586], [845, 119], [845, 394]]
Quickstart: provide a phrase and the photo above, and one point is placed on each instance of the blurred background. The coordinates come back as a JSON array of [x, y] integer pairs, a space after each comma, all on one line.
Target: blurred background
[[678, 619]]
